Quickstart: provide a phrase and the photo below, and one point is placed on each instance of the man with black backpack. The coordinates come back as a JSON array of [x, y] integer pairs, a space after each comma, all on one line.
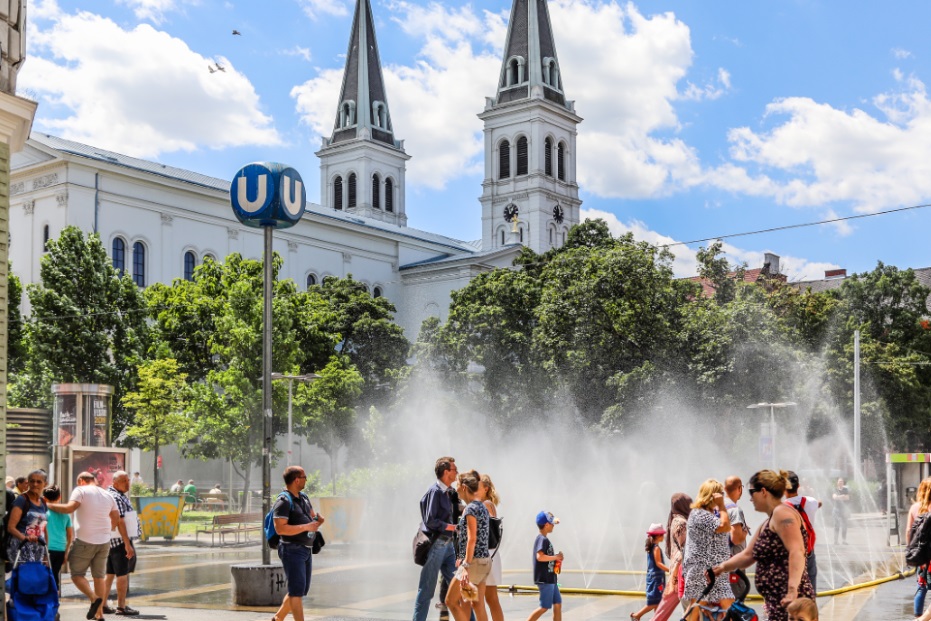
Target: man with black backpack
[[810, 506], [295, 521]]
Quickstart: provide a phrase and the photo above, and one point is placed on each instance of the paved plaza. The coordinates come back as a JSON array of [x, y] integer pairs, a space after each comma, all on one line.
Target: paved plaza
[[179, 580]]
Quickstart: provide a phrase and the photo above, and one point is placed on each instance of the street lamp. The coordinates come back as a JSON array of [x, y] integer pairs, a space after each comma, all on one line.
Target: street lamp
[[308, 379], [772, 419]]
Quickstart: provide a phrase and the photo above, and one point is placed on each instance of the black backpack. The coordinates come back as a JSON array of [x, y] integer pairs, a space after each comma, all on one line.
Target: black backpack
[[918, 550]]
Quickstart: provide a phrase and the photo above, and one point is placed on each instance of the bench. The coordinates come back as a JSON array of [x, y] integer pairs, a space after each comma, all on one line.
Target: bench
[[236, 524], [214, 502]]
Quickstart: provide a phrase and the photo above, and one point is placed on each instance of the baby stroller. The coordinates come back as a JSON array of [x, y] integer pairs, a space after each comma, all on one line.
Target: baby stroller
[[737, 612], [33, 591]]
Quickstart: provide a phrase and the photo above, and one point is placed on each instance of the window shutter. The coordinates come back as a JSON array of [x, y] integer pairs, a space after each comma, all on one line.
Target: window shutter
[[561, 161], [389, 195], [504, 160], [376, 192], [338, 193], [522, 156], [548, 157], [352, 191]]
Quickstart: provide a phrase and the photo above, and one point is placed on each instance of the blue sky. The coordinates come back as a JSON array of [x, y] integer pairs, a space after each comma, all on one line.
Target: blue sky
[[701, 119]]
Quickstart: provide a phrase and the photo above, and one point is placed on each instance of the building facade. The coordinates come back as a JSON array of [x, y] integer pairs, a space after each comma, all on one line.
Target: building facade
[[160, 222]]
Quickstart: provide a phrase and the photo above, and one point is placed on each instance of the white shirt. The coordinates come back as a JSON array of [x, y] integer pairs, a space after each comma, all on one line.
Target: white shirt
[[811, 506], [92, 518]]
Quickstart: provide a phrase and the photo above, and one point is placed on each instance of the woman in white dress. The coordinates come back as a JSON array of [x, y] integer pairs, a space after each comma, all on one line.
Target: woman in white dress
[[494, 578]]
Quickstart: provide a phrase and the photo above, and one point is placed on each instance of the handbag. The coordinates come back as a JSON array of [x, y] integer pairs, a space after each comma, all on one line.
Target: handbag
[[32, 577], [495, 530], [318, 543], [421, 547]]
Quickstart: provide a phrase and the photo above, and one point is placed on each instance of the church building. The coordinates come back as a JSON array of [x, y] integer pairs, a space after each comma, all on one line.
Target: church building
[[160, 222]]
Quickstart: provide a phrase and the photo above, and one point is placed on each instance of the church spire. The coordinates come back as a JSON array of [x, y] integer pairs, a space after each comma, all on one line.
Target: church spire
[[530, 68], [363, 102]]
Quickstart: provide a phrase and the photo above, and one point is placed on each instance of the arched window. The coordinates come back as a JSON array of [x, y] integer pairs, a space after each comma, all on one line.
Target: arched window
[[379, 115], [119, 255], [550, 73], [548, 157], [311, 280], [552, 236], [504, 160], [139, 264], [338, 193], [352, 190], [561, 161], [347, 114], [376, 292], [209, 257], [190, 262], [502, 237], [522, 155], [45, 236], [521, 234], [376, 191], [389, 195], [515, 71]]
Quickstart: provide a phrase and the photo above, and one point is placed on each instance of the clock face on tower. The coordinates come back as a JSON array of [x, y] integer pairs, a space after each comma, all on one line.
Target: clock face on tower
[[557, 214], [510, 212]]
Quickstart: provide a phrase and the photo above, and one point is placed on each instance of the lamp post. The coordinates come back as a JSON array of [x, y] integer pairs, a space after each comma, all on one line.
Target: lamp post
[[309, 379], [772, 419]]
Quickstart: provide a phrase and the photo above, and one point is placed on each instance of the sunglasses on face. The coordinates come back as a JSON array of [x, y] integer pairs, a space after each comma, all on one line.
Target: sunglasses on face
[[754, 490]]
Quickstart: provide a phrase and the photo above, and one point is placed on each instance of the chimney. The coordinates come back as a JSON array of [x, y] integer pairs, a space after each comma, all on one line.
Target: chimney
[[771, 263], [829, 274]]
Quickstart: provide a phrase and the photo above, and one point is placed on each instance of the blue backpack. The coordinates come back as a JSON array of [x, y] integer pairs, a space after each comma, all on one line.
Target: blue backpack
[[269, 525]]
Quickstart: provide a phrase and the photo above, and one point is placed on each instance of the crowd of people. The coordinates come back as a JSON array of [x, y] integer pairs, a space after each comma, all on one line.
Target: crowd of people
[[100, 538], [707, 540]]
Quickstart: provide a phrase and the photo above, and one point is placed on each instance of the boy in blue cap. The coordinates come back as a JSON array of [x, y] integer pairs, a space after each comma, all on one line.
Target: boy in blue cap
[[544, 569]]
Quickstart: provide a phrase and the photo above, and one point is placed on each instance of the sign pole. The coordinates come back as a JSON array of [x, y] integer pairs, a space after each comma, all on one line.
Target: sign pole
[[267, 387]]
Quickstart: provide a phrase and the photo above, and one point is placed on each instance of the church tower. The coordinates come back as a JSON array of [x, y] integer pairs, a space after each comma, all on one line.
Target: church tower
[[362, 164], [530, 194]]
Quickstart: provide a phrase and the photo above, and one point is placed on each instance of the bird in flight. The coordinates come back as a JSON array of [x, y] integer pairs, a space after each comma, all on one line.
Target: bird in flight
[[216, 67], [236, 32], [211, 69], [220, 67]]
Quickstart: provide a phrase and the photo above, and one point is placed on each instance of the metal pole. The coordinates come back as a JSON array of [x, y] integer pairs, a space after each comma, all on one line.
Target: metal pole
[[290, 386], [856, 403], [267, 388]]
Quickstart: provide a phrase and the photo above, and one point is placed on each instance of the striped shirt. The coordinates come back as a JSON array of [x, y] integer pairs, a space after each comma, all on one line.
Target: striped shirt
[[123, 506]]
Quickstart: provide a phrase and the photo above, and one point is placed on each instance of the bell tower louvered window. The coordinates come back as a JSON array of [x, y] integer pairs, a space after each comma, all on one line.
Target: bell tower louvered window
[[548, 157], [389, 195], [561, 161], [522, 155], [376, 192], [352, 191], [504, 160], [338, 193]]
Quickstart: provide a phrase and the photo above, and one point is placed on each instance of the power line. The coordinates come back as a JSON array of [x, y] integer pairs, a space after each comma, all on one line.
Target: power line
[[796, 226]]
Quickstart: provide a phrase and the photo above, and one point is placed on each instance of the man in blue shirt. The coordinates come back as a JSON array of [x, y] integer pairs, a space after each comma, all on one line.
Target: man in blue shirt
[[436, 512]]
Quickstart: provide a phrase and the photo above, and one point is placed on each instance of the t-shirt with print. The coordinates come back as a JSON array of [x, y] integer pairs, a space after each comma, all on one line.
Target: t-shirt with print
[[58, 525], [543, 570], [477, 510], [736, 515], [92, 519], [297, 511], [32, 521]]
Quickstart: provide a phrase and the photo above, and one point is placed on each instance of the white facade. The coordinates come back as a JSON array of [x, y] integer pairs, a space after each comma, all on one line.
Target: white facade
[[154, 216]]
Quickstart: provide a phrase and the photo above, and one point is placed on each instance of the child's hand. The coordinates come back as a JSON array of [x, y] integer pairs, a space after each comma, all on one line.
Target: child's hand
[[559, 556]]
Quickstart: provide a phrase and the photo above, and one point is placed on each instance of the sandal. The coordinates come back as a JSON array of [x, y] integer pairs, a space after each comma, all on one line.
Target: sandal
[[92, 611], [127, 611]]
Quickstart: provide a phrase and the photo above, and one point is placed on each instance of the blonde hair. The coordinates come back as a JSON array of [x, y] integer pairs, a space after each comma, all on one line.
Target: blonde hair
[[923, 495], [706, 493], [805, 606], [492, 493]]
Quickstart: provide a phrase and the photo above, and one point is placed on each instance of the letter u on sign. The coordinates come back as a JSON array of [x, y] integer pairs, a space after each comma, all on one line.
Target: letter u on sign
[[242, 194], [293, 201]]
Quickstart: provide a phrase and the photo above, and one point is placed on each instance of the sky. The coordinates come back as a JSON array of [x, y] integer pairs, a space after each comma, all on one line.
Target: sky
[[701, 119]]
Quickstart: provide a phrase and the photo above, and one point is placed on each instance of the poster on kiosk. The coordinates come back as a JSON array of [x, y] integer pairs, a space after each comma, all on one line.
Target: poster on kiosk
[[82, 435]]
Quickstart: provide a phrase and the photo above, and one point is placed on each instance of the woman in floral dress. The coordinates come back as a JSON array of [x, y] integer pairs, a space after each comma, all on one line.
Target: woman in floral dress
[[706, 545], [473, 560], [778, 548]]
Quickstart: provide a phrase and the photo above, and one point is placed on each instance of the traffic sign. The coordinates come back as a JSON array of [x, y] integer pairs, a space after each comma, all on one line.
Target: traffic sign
[[268, 194]]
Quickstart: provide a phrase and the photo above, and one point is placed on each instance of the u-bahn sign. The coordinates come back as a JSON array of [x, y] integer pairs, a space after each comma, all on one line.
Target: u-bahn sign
[[268, 194]]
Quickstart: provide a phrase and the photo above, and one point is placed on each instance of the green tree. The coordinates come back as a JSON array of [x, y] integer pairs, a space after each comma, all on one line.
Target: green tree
[[159, 404], [16, 333], [714, 268], [88, 323]]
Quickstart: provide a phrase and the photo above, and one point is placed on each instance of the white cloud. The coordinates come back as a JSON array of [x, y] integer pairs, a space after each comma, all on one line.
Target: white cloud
[[685, 264], [300, 52], [819, 154], [154, 10], [711, 90], [315, 8], [900, 53], [141, 92]]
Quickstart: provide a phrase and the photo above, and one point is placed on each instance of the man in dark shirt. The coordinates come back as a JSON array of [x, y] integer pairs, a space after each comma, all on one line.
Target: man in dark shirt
[[436, 512], [295, 520]]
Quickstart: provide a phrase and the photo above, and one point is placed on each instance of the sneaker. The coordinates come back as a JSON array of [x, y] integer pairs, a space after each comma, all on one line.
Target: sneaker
[[127, 611], [440, 606]]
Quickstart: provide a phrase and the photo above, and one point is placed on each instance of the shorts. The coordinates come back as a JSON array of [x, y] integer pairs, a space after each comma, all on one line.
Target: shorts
[[549, 595], [296, 560], [89, 555], [118, 564], [479, 569]]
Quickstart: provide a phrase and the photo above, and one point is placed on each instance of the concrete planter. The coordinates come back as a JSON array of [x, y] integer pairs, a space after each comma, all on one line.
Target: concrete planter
[[160, 516], [343, 517]]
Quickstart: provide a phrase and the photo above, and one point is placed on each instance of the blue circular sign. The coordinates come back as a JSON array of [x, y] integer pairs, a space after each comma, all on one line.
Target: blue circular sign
[[268, 194]]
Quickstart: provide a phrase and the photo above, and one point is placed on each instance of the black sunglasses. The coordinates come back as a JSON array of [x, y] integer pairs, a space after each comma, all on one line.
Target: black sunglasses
[[754, 490]]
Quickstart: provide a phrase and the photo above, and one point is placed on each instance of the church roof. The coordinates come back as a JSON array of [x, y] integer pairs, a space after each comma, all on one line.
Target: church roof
[[530, 64], [78, 149], [362, 110]]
